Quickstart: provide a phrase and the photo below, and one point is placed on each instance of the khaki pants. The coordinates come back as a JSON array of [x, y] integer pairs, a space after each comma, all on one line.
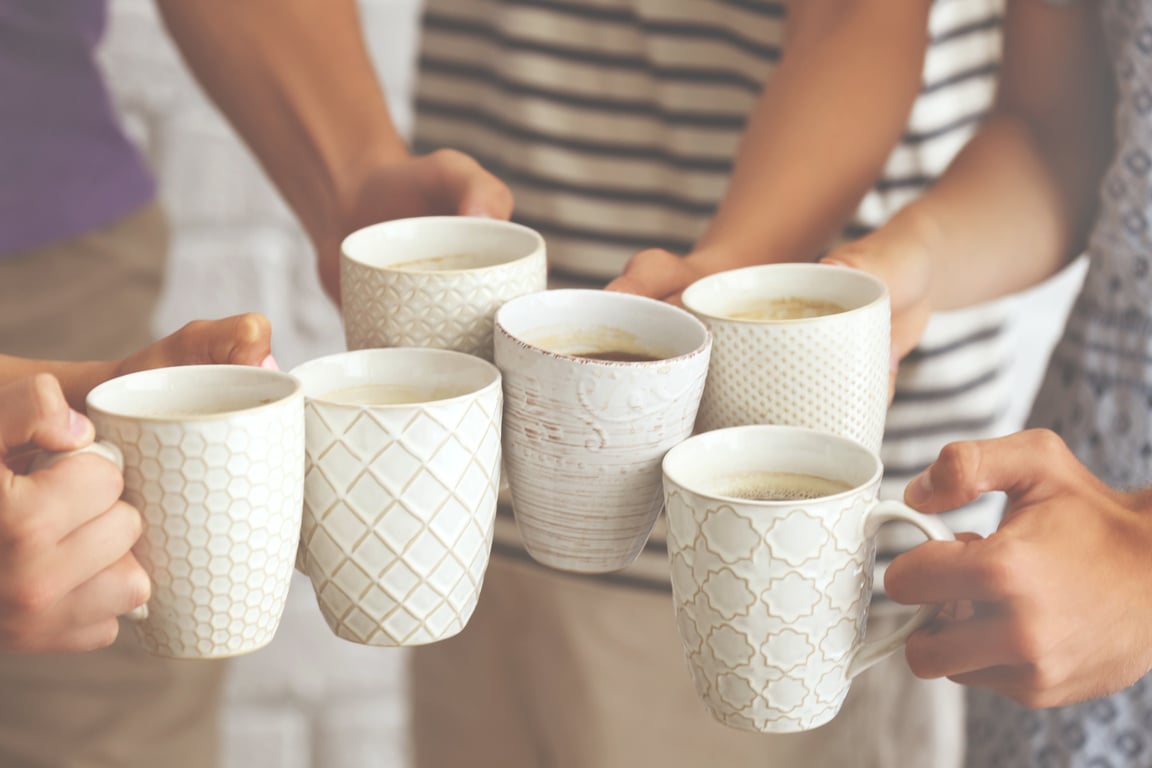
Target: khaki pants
[[561, 672], [92, 298]]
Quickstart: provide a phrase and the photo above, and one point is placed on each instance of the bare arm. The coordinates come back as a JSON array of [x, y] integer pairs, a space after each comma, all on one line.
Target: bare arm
[[825, 125], [818, 138], [1018, 201], [239, 340], [295, 79]]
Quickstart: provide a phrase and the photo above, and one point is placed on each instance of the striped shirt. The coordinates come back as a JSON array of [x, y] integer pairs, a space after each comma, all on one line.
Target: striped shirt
[[615, 123]]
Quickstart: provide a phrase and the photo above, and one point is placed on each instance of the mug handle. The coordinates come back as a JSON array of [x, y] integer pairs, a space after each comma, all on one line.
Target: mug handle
[[876, 650], [46, 459]]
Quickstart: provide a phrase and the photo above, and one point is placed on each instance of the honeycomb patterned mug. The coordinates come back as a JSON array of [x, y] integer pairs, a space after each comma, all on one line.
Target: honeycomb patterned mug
[[771, 537], [435, 281], [400, 489], [213, 457], [805, 345]]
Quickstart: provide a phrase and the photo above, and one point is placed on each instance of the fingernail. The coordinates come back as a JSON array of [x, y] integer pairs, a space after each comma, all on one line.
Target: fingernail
[[919, 490], [270, 363], [78, 424]]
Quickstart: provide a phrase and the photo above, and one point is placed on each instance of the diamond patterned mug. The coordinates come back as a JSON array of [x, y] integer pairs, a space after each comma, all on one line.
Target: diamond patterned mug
[[400, 489], [435, 281], [771, 538]]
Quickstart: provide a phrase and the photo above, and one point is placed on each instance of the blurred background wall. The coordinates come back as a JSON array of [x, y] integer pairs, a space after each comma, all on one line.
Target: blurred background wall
[[309, 699]]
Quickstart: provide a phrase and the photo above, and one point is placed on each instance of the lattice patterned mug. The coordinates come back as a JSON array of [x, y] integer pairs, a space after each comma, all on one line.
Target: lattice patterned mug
[[400, 487]]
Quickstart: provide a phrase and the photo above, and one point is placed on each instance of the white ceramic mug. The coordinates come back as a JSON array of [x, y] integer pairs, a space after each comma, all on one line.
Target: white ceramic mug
[[772, 593], [583, 438], [213, 457], [435, 281], [403, 472], [770, 366]]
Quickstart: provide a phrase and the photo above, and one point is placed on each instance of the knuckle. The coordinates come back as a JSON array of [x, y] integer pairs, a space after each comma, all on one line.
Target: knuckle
[[959, 467], [999, 575], [27, 534], [1045, 442], [107, 634], [253, 327], [47, 399], [30, 599], [451, 157], [1026, 646]]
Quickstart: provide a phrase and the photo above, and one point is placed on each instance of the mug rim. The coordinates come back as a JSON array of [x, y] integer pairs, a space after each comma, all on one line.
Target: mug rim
[[371, 352], [703, 347], [104, 389], [704, 283], [699, 442], [349, 242]]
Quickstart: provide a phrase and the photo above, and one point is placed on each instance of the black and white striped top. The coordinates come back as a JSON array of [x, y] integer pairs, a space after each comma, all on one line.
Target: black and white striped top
[[615, 122]]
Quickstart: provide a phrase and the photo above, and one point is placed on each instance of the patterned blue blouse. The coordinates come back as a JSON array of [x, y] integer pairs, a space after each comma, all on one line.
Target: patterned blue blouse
[[1098, 396]]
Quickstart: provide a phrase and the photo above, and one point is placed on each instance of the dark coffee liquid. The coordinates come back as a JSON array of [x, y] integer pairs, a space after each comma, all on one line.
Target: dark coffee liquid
[[620, 356]]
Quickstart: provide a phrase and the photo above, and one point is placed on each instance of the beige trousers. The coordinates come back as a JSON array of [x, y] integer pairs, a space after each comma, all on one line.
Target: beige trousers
[[92, 297], [556, 671]]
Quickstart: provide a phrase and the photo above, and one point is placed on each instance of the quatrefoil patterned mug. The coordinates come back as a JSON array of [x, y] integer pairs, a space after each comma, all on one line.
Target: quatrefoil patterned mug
[[435, 281], [400, 489], [771, 537]]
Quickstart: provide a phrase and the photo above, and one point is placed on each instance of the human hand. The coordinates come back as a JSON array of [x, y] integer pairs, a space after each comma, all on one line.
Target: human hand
[[901, 257], [238, 340], [441, 183], [658, 274], [1055, 605], [66, 566]]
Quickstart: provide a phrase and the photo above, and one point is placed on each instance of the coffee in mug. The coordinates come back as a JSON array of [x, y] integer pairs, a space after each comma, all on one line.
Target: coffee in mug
[[787, 308], [779, 486]]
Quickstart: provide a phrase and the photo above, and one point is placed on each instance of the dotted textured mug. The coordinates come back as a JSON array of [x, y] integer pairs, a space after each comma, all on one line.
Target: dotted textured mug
[[805, 345]]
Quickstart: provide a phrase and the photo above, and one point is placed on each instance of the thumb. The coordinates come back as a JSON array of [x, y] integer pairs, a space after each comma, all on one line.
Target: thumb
[[655, 273], [476, 191], [33, 411], [487, 198]]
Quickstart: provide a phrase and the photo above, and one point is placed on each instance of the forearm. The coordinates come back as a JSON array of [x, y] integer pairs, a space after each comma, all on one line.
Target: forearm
[[999, 220], [76, 378], [295, 79], [1018, 202], [823, 128]]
